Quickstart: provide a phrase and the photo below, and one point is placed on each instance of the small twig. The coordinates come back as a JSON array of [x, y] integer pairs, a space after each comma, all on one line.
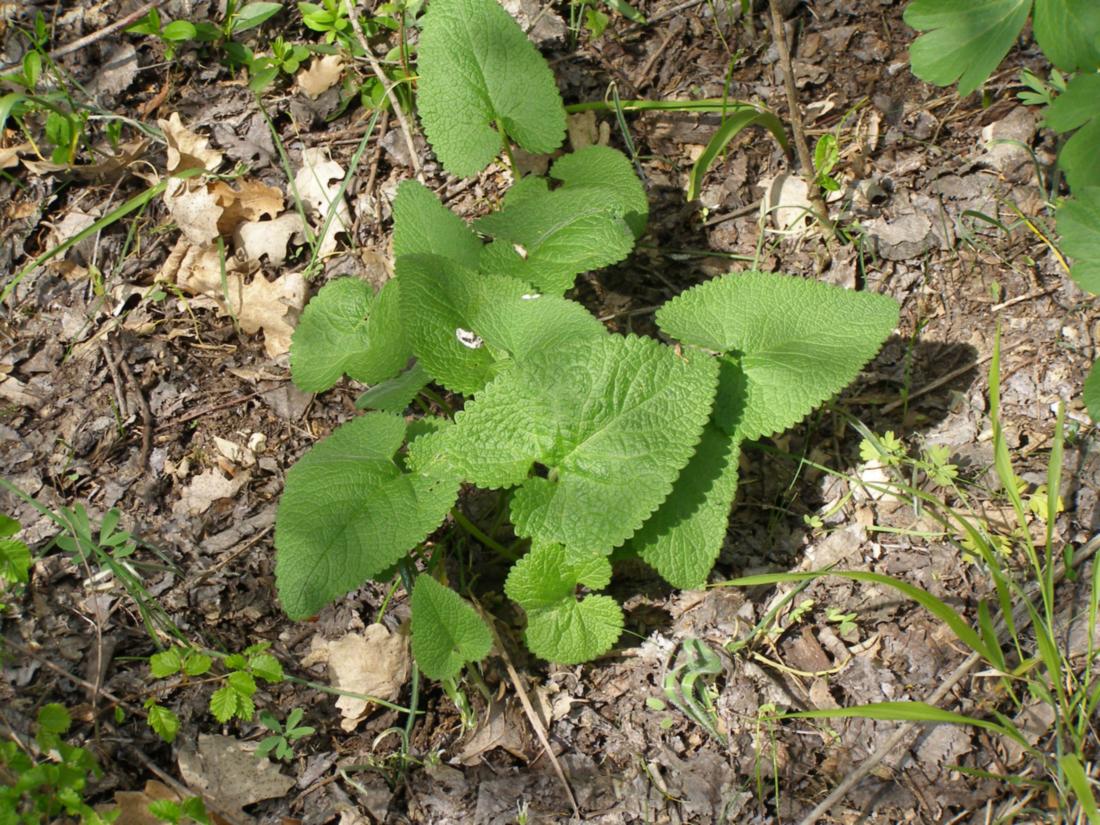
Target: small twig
[[376, 156], [805, 160], [191, 416], [1019, 299], [944, 379], [89, 39], [245, 546], [116, 379], [387, 86]]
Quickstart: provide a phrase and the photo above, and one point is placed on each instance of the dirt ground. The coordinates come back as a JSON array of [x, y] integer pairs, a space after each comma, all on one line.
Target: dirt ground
[[116, 393]]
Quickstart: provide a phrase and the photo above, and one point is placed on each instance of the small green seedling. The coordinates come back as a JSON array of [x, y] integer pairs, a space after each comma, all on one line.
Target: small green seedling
[[192, 809], [284, 735], [826, 157], [51, 777], [15, 559], [330, 18]]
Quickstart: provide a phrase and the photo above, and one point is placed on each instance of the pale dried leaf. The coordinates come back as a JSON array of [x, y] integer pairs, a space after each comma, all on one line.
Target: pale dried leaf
[[205, 489], [235, 452], [226, 772], [251, 202], [272, 306], [9, 156], [133, 806], [259, 238], [788, 200], [323, 73], [375, 663], [318, 185], [187, 150], [195, 210]]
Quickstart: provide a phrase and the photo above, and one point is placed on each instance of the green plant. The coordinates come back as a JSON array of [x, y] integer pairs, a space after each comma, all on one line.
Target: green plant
[[192, 808], [284, 735], [330, 18], [595, 441], [965, 42], [826, 157], [39, 789], [1020, 634], [232, 700], [15, 558]]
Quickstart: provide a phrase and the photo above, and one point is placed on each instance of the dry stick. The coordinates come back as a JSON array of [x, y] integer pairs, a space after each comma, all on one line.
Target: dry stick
[[146, 415], [1021, 618], [945, 379], [89, 39], [779, 34], [387, 86]]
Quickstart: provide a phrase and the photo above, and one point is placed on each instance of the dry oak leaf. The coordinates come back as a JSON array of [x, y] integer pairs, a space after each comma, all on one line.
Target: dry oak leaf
[[251, 202], [375, 662], [258, 238], [194, 208], [272, 306], [227, 772], [187, 150], [205, 489], [322, 75], [318, 184]]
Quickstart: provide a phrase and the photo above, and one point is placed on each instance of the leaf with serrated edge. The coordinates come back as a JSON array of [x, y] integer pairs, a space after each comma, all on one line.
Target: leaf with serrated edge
[[424, 226], [464, 326], [681, 541], [1078, 108], [546, 236], [559, 627], [346, 329], [798, 342], [446, 630], [477, 68], [395, 394], [1068, 32], [1079, 226], [612, 421], [1091, 392], [349, 512], [963, 41]]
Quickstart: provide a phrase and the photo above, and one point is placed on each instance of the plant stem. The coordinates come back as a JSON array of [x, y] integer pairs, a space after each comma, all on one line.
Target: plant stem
[[805, 160], [407, 571], [481, 535], [507, 145], [706, 105]]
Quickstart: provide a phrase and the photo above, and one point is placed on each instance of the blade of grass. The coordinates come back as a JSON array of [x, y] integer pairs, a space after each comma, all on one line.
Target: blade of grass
[[744, 115], [1078, 780], [906, 712]]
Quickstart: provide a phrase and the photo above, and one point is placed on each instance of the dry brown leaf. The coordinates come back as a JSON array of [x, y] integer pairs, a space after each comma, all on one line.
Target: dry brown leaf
[[227, 772], [205, 489], [186, 150], [270, 238], [322, 74], [318, 184], [375, 662], [251, 202], [9, 156], [271, 306], [194, 208], [133, 806]]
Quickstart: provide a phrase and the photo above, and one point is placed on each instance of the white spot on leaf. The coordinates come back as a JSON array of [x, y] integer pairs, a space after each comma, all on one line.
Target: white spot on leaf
[[468, 339], [530, 297]]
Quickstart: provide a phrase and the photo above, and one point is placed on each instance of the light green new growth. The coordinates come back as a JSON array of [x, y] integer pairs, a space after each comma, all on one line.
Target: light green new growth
[[1079, 226], [559, 627], [681, 541], [349, 512], [480, 76], [1079, 108], [611, 422], [465, 327], [1091, 393], [424, 226], [545, 237], [791, 344], [446, 630], [964, 41], [347, 329]]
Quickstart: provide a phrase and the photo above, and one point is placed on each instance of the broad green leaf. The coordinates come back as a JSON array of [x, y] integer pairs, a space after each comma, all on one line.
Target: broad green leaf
[[54, 718], [1078, 108], [797, 342], [605, 173], [1079, 226], [559, 627], [546, 237], [395, 394], [349, 512], [478, 72], [163, 721], [465, 326], [446, 630], [605, 426], [8, 527], [965, 40], [165, 663], [346, 329], [224, 703], [1091, 393], [1069, 33], [681, 541], [424, 226], [266, 666], [15, 560]]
